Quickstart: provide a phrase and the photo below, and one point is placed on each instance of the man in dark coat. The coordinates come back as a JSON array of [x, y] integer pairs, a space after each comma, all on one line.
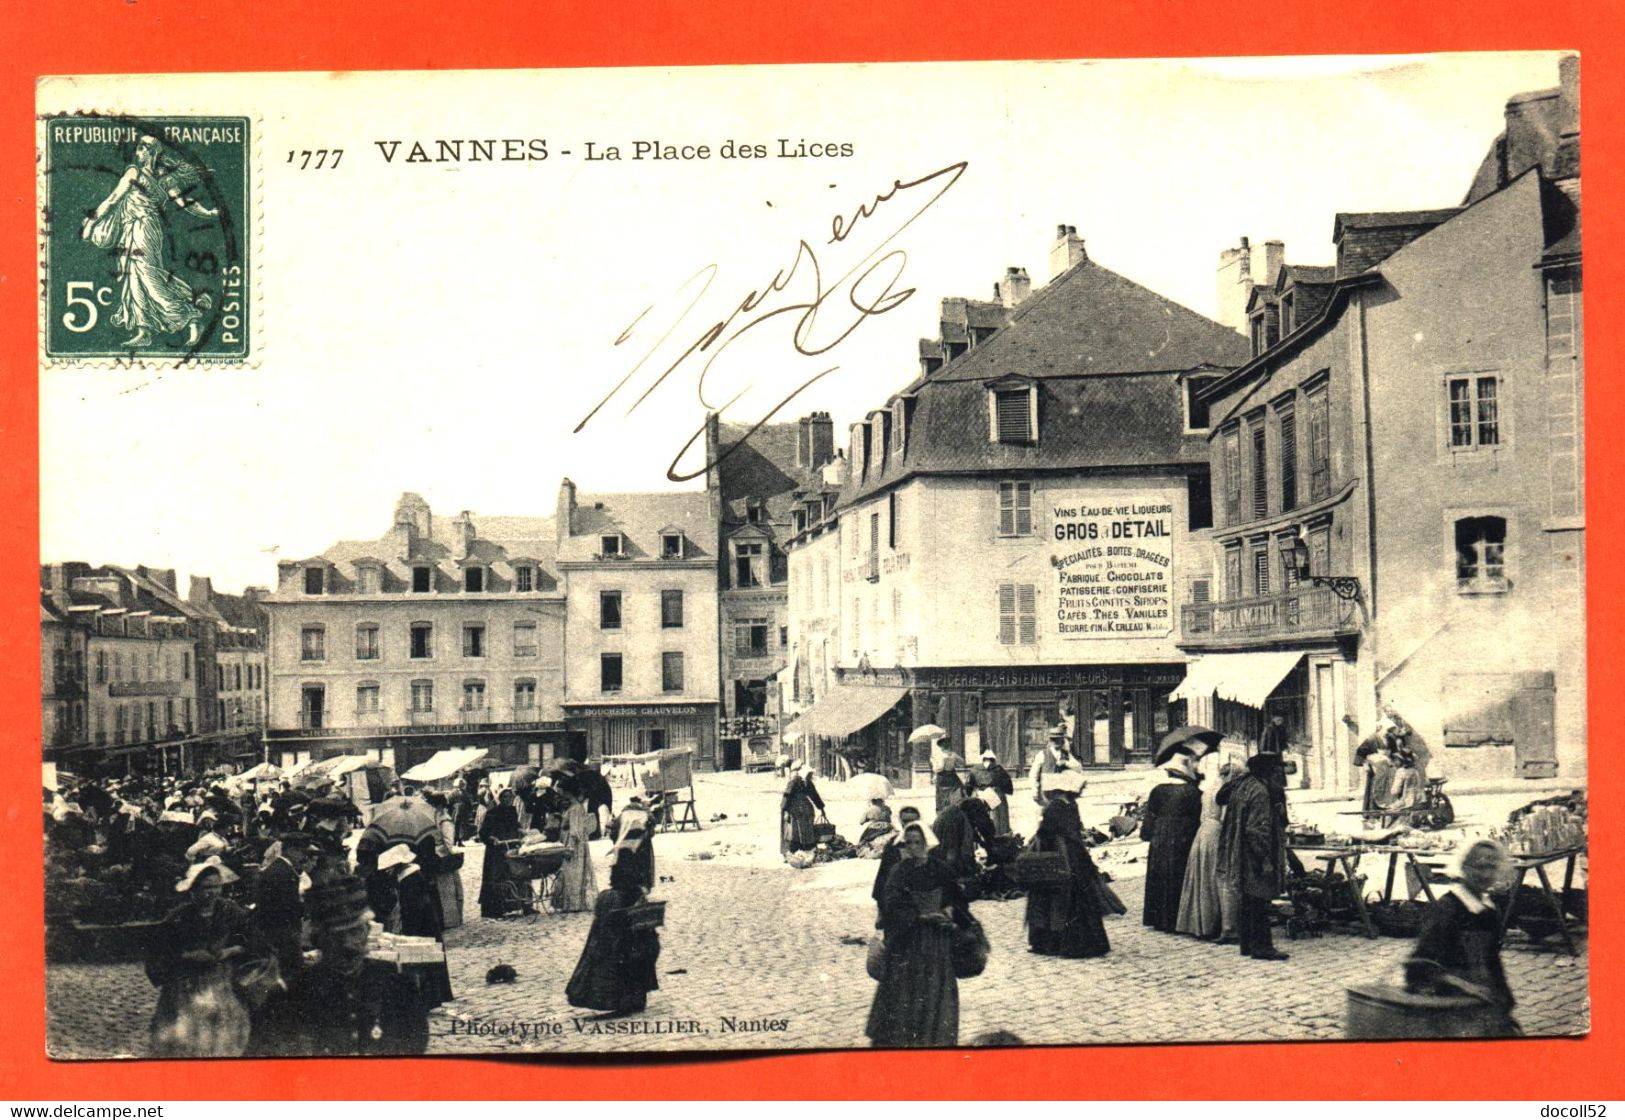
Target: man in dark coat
[[1252, 850], [278, 911], [595, 787], [1169, 822], [960, 828]]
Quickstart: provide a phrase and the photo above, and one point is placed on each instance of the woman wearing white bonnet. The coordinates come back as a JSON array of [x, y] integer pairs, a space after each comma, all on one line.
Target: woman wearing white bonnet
[[1459, 949]]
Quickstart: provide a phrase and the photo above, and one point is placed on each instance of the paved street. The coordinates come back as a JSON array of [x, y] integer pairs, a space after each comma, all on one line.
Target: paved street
[[750, 940]]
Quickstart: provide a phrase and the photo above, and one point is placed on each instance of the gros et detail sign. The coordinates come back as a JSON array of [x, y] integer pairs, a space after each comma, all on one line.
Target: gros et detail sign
[[1113, 554]]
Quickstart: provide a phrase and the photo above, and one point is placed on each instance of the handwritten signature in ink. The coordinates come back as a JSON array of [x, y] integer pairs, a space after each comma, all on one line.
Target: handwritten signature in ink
[[870, 287]]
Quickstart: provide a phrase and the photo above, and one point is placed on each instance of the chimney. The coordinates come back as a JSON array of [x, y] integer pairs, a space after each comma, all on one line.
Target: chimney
[[1067, 251], [199, 591], [412, 519], [1014, 288], [53, 577], [804, 443], [255, 594], [835, 471], [565, 517], [821, 437], [1235, 285], [1274, 258], [164, 577], [1568, 92], [462, 527]]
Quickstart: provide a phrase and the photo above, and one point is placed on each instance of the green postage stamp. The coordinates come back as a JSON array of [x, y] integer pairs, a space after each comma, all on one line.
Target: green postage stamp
[[146, 228]]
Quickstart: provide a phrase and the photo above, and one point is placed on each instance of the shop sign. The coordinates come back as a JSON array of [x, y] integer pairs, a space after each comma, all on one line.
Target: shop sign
[[1112, 553]]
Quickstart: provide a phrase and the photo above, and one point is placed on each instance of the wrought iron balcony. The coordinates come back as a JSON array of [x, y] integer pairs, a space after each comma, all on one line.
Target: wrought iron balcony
[[1302, 612], [151, 688]]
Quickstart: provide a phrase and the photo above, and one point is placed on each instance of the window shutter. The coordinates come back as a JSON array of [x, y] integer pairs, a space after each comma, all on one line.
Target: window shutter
[[1261, 480], [1289, 460], [1024, 509], [1007, 614], [1027, 609], [1014, 413], [1200, 592], [1007, 508]]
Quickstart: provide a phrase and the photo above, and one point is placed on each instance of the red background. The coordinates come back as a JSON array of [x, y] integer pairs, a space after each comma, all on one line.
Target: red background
[[145, 36]]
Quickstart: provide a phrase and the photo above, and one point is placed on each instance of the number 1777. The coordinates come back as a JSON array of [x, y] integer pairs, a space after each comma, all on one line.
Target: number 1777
[[321, 157]]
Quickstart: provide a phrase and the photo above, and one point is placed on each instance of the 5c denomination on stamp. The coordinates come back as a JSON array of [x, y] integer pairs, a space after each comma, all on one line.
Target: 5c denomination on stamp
[[145, 235]]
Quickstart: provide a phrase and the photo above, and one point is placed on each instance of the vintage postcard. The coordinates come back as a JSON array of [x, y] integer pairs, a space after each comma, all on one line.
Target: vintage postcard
[[812, 557]]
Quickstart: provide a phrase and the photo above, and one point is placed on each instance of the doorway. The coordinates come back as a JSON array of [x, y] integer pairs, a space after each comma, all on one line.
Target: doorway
[[312, 705]]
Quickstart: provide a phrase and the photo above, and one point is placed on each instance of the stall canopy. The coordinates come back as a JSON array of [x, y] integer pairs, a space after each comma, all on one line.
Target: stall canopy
[[329, 769], [444, 764], [1246, 678], [846, 708]]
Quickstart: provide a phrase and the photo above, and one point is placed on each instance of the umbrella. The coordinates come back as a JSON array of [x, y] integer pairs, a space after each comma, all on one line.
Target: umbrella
[[870, 787], [1208, 739], [928, 732], [260, 772], [401, 820]]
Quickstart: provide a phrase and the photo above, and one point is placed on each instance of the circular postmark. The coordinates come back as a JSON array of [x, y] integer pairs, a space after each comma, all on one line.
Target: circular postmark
[[144, 254]]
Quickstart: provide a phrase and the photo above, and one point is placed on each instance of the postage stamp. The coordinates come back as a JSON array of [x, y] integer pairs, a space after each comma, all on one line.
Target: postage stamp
[[145, 240]]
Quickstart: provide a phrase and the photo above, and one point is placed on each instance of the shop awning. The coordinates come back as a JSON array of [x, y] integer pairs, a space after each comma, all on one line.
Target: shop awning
[[847, 708], [1245, 678], [444, 764]]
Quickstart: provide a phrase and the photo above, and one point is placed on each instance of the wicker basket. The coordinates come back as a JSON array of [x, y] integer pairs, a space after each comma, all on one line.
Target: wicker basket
[[645, 915]]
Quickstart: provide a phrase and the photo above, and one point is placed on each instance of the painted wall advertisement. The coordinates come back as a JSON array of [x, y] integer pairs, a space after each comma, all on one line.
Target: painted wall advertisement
[[1113, 555]]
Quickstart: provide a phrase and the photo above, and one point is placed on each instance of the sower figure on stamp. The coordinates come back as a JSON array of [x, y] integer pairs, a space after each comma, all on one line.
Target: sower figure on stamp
[[129, 221]]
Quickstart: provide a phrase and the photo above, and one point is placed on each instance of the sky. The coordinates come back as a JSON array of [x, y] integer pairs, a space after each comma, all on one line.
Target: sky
[[445, 328]]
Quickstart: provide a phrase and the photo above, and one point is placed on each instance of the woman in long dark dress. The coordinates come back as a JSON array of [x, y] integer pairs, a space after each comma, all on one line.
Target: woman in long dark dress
[[501, 823], [418, 910], [1170, 821], [917, 1001], [616, 971], [1065, 920], [798, 810], [1461, 938]]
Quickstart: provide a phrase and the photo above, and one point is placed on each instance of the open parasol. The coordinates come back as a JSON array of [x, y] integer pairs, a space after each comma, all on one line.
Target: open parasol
[[871, 787], [401, 820], [928, 732]]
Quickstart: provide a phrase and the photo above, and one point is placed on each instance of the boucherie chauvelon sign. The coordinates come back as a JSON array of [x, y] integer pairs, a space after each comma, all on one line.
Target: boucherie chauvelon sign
[[1113, 556]]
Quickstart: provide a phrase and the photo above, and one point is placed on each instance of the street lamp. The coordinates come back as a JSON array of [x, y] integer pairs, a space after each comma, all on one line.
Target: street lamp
[[1344, 587]]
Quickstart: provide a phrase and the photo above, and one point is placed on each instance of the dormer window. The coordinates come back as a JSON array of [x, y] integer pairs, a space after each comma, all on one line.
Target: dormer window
[[1012, 411], [422, 579], [1256, 329], [524, 578], [671, 546], [899, 426], [315, 580], [749, 564], [1196, 411], [474, 580], [1287, 315], [367, 579], [609, 546], [798, 520]]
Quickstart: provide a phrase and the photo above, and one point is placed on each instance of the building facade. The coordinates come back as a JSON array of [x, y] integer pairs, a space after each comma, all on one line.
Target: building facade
[[640, 622], [1419, 431], [442, 633], [1016, 522]]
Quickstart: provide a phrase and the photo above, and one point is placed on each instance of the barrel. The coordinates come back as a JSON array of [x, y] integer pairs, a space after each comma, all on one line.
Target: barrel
[[1380, 1011]]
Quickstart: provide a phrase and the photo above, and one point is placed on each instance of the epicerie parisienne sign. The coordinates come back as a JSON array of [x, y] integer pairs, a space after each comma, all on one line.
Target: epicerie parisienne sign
[[1113, 556]]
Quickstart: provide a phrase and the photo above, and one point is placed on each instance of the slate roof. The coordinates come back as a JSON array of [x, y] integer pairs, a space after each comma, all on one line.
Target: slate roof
[[762, 466], [496, 540], [640, 518]]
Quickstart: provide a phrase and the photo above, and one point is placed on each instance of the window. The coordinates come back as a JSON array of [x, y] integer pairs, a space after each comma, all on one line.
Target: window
[[609, 544], [748, 564], [186, 713], [1320, 444], [671, 610], [524, 695], [1564, 314], [824, 582], [1013, 419], [523, 578], [524, 639], [1261, 568], [367, 579], [1201, 591], [900, 424], [1481, 555], [422, 579], [874, 547], [857, 628], [314, 581], [366, 642], [473, 639], [609, 672], [1474, 413], [473, 696], [609, 610], [784, 637], [366, 698], [1261, 478], [1256, 333], [1196, 410], [750, 637], [423, 696], [1285, 545], [1018, 614], [1015, 509], [892, 534], [671, 672], [186, 664], [1231, 451], [1287, 315], [671, 546], [474, 580], [312, 644], [1287, 425], [1198, 501], [422, 639], [101, 666]]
